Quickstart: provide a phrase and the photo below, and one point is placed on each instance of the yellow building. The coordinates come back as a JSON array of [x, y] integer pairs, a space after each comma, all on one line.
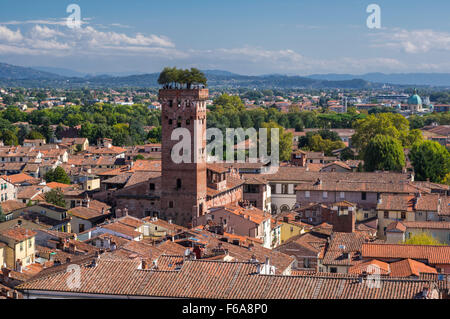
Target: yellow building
[[290, 227], [392, 208], [19, 247]]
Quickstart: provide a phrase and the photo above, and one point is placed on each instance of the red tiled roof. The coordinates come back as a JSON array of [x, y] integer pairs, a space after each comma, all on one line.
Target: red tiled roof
[[409, 267], [55, 185], [18, 233], [370, 267], [218, 280], [433, 254]]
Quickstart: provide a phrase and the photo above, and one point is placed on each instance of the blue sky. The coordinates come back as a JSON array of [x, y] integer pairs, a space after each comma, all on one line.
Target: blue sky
[[248, 36]]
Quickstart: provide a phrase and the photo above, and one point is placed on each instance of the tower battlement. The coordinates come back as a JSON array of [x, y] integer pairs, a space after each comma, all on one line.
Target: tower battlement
[[194, 94]]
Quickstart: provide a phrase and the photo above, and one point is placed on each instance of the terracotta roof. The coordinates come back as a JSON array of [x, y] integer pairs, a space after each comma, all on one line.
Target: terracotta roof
[[217, 168], [370, 267], [146, 165], [343, 248], [20, 178], [168, 247], [29, 192], [122, 229], [427, 224], [55, 185], [253, 214], [232, 182], [397, 202], [174, 228], [12, 205], [396, 227], [427, 202], [338, 163], [130, 221], [218, 280], [433, 254], [409, 267], [85, 212], [141, 177], [18, 233]]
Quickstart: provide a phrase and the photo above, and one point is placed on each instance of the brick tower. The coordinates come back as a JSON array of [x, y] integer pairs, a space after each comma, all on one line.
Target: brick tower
[[183, 185]]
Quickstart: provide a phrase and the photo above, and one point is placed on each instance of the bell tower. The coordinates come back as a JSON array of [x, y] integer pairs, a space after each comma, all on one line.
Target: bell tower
[[183, 185]]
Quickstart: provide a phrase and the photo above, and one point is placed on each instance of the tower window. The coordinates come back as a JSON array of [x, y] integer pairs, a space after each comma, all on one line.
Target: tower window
[[179, 122], [170, 121], [170, 103], [152, 186], [178, 183], [188, 122], [171, 204]]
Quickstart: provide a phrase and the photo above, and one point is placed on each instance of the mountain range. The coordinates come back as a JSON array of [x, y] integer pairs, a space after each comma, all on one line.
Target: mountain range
[[13, 76]]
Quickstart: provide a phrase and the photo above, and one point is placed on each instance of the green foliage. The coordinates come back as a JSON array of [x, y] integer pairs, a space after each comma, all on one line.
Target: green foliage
[[55, 197], [423, 238], [35, 135], [139, 157], [285, 142], [318, 144], [155, 134], [321, 141], [347, 154], [2, 215], [58, 175], [9, 137], [173, 77], [431, 161], [393, 125], [384, 153]]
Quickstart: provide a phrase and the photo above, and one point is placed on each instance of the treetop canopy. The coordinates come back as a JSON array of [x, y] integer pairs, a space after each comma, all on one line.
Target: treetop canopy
[[179, 78]]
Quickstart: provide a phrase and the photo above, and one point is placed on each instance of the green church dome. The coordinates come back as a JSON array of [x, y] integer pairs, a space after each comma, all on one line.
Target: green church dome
[[415, 99]]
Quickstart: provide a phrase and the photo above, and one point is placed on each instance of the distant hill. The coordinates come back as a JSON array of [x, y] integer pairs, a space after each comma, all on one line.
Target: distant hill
[[60, 71], [420, 79], [11, 75], [13, 72]]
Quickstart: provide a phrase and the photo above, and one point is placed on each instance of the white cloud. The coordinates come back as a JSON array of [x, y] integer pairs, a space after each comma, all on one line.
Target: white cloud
[[83, 41], [414, 41], [9, 35], [44, 32]]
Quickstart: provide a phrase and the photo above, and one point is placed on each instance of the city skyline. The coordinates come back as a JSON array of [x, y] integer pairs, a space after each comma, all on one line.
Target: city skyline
[[291, 37]]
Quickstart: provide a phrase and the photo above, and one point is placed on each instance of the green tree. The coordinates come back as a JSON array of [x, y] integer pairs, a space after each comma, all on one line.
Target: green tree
[[2, 215], [55, 197], [384, 153], [318, 144], [58, 175], [393, 125], [9, 137], [430, 160], [347, 154], [423, 238], [229, 102], [35, 135], [285, 142]]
